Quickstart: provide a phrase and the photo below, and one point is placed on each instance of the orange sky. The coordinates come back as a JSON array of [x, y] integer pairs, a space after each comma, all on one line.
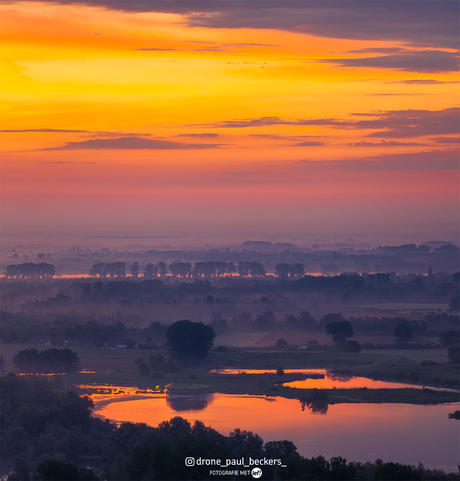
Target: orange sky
[[167, 122]]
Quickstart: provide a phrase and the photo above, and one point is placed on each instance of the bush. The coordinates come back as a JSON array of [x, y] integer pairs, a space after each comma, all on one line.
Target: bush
[[350, 346]]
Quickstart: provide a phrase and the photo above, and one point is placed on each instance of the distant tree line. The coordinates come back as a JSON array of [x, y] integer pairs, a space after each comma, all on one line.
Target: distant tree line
[[18, 328], [51, 435], [29, 270], [48, 361], [103, 270], [291, 270], [80, 331], [183, 270]]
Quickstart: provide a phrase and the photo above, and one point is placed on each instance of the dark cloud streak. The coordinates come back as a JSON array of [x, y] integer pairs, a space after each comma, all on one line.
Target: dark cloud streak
[[131, 143], [429, 23], [205, 135], [423, 82], [409, 61], [388, 124], [67, 131], [383, 143], [420, 161]]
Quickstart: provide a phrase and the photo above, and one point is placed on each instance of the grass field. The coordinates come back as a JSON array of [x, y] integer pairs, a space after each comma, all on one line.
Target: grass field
[[239, 338]]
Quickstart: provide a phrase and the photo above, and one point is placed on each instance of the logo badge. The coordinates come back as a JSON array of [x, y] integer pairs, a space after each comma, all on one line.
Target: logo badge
[[256, 473]]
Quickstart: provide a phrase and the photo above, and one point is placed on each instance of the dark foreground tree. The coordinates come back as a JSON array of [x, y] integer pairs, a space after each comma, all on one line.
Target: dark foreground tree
[[450, 338], [189, 341], [340, 331], [453, 354], [56, 470], [403, 333]]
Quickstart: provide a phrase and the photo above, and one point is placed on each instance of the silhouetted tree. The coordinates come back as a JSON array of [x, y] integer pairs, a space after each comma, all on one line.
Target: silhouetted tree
[[306, 320], [394, 472], [291, 322], [199, 269], [148, 271], [453, 354], [256, 269], [50, 360], [244, 268], [156, 362], [231, 268], [30, 270], [296, 270], [350, 346], [403, 333], [101, 269], [281, 344], [221, 268], [449, 338], [282, 269], [219, 324], [340, 331], [265, 320], [56, 470], [280, 449], [135, 270], [189, 341], [454, 303], [142, 366], [181, 269], [162, 268], [97, 270], [209, 269], [243, 319], [317, 400]]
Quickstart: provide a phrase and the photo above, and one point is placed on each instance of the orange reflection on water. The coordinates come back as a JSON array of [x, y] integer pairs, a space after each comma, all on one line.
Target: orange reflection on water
[[332, 381], [103, 394], [268, 371], [361, 432], [322, 379]]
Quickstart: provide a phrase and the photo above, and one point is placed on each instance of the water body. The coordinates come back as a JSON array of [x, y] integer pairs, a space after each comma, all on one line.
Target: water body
[[325, 379], [404, 433], [322, 379]]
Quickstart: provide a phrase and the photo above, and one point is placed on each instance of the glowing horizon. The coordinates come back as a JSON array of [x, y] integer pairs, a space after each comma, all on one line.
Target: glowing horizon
[[152, 120]]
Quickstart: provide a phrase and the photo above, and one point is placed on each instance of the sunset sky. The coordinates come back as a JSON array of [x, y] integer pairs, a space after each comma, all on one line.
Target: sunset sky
[[211, 118]]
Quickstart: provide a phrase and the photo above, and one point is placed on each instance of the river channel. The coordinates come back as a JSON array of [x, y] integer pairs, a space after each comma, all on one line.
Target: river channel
[[404, 433]]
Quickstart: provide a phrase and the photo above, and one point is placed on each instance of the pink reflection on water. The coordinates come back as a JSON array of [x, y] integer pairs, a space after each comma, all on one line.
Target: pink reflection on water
[[361, 432]]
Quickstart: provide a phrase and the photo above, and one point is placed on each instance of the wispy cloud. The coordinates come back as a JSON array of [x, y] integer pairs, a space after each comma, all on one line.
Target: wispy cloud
[[156, 49], [68, 131], [430, 23], [265, 121], [68, 162], [205, 135], [408, 61], [291, 138], [383, 143], [387, 124], [447, 140], [412, 123], [131, 143], [422, 82], [419, 161], [308, 144]]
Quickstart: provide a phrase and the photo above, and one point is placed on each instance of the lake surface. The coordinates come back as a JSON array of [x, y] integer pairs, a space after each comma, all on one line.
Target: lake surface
[[404, 433], [322, 379]]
